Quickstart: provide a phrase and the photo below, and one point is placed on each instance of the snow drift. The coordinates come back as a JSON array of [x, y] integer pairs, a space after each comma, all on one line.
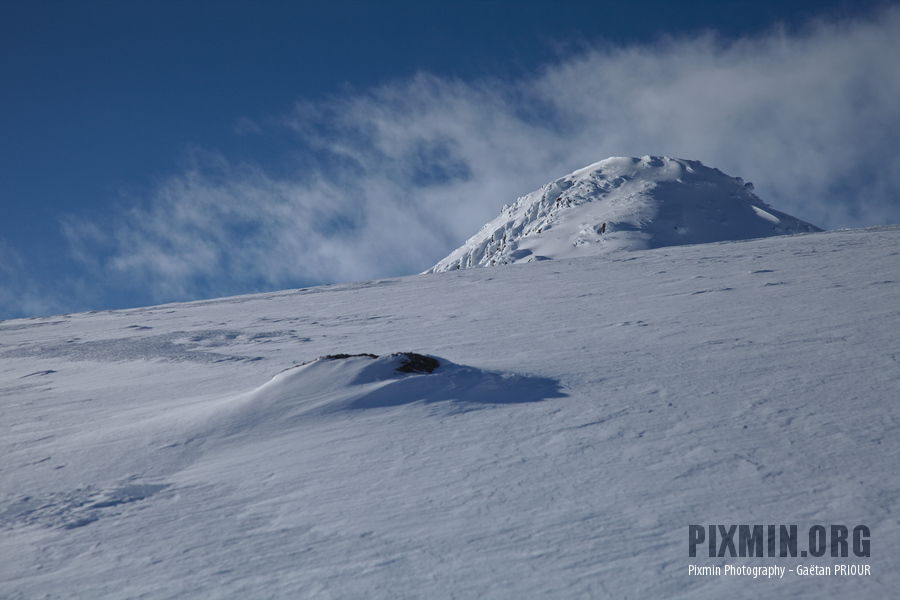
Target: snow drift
[[623, 204], [336, 383]]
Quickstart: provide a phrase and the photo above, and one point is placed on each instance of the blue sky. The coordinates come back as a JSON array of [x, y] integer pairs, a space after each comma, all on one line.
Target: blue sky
[[166, 151]]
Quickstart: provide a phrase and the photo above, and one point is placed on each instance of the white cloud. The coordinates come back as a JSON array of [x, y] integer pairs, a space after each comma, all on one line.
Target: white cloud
[[20, 293], [389, 180]]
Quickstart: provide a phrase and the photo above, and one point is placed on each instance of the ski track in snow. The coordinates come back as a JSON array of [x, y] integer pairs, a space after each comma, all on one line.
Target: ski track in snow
[[585, 412]]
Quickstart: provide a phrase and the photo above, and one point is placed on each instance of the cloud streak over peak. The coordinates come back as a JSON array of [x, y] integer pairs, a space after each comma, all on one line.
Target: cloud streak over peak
[[386, 181]]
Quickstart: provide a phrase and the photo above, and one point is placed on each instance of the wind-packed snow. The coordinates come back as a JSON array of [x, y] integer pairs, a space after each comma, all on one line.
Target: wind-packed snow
[[623, 204], [584, 413]]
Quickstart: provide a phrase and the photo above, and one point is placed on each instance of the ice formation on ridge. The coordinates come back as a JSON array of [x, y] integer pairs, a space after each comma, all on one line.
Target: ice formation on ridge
[[623, 204]]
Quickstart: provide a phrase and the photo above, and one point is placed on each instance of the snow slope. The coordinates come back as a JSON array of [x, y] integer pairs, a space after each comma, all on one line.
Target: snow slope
[[584, 413], [623, 204]]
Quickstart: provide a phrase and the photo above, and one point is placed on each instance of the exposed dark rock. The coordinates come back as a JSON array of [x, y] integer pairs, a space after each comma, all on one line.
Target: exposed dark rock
[[343, 356], [417, 363], [412, 363]]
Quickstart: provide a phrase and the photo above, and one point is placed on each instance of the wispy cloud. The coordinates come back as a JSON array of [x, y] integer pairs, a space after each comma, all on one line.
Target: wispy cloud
[[20, 293], [387, 181]]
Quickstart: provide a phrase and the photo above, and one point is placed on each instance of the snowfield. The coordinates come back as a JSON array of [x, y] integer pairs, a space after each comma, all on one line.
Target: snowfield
[[585, 412]]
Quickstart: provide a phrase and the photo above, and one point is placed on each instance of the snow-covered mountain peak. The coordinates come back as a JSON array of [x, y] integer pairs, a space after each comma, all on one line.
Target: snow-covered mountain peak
[[623, 203]]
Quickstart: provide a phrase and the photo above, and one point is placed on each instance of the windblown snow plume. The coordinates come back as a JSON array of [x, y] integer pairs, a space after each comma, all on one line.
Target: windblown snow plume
[[623, 204]]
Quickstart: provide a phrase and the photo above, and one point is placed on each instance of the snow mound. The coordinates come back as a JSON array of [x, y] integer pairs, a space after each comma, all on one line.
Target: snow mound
[[133, 458], [623, 204], [342, 382]]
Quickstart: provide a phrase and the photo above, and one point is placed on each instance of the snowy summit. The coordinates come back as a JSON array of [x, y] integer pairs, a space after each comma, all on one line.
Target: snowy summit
[[623, 204]]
